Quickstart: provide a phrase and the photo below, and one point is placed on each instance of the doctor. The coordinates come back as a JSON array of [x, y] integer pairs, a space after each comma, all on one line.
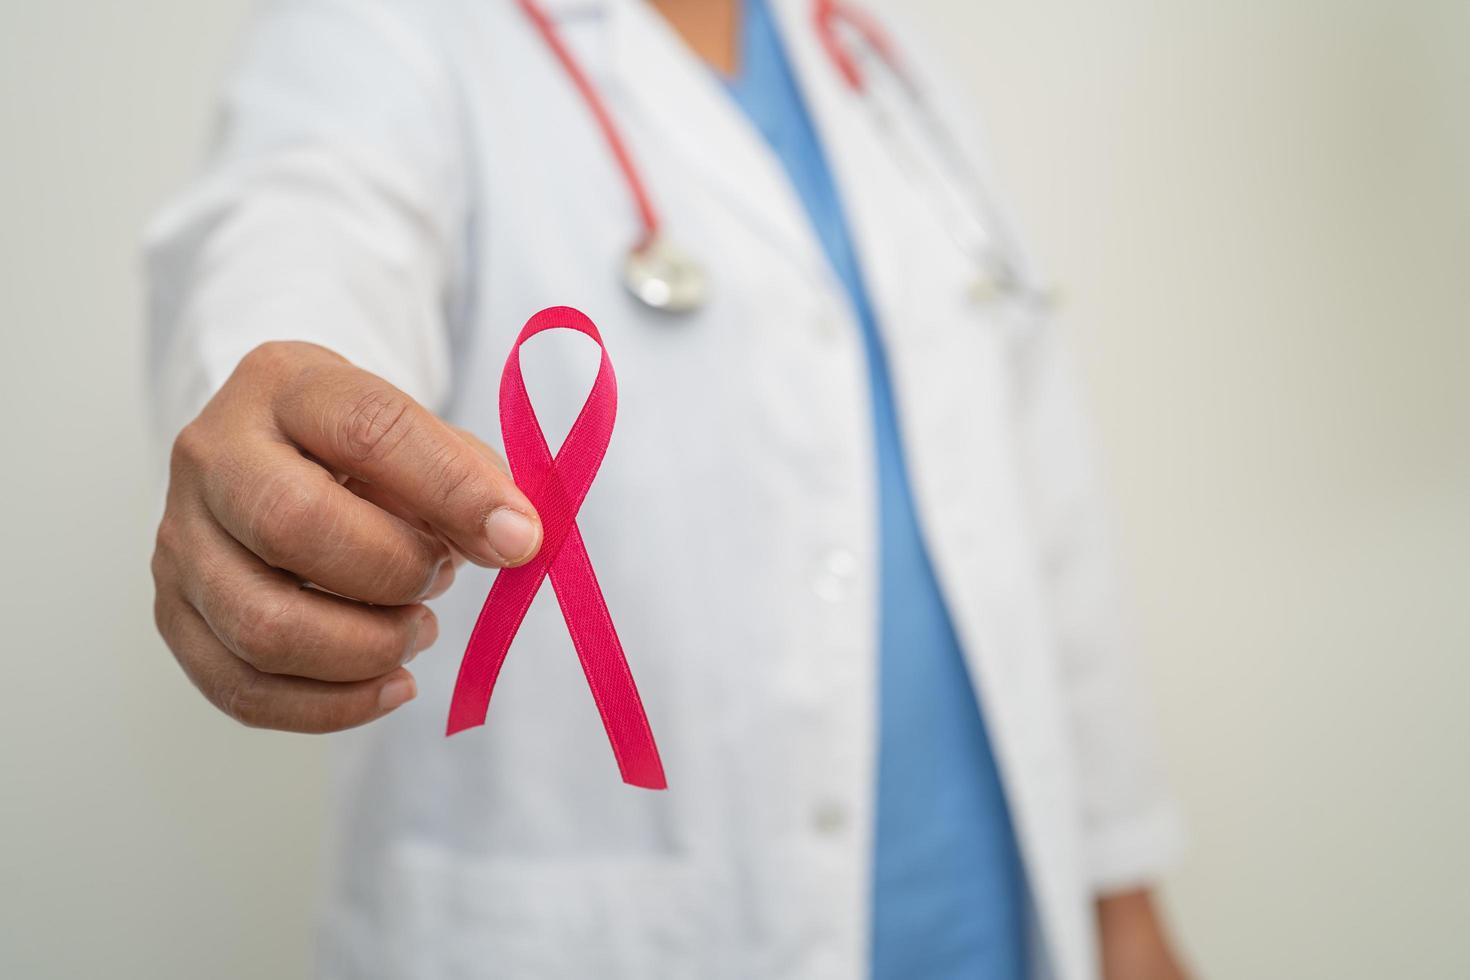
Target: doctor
[[847, 526]]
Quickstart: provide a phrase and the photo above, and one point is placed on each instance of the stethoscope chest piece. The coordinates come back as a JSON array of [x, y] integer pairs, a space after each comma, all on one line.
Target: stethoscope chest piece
[[665, 278], [987, 287]]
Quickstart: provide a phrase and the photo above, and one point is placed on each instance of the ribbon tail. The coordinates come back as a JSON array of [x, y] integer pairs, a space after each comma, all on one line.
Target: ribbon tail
[[500, 617], [605, 665]]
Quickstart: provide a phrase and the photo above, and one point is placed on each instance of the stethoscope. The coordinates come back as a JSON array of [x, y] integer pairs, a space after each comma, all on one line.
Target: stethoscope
[[665, 277]]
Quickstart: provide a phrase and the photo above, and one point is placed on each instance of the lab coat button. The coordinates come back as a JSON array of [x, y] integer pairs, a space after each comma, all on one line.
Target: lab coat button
[[828, 327], [834, 572], [829, 818], [840, 562]]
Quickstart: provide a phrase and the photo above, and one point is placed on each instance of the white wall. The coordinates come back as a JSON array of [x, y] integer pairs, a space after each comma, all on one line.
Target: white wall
[[1260, 213], [139, 837]]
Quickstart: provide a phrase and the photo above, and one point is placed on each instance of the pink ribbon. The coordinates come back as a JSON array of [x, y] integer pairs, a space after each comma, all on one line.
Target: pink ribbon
[[556, 488]]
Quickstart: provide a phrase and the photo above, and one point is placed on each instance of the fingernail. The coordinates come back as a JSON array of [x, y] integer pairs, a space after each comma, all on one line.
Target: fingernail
[[425, 632], [400, 690], [443, 579], [513, 536]]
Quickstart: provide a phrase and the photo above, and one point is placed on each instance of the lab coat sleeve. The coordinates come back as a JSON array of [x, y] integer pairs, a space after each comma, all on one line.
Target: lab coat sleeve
[[329, 211], [1130, 825], [1131, 829]]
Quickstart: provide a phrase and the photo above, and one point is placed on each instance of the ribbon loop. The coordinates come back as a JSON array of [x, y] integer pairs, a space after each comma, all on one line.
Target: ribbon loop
[[556, 487]]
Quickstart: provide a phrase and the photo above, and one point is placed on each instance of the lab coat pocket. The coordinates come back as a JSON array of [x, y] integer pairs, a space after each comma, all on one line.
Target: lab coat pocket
[[463, 916]]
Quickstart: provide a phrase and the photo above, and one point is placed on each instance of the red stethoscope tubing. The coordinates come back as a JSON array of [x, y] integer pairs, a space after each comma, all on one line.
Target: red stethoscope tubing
[[825, 16], [647, 215]]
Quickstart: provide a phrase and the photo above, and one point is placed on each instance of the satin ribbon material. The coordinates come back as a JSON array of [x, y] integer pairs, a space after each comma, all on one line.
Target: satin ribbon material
[[556, 488]]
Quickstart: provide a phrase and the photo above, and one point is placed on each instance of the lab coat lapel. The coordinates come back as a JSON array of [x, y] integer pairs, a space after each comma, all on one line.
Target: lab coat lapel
[[945, 368], [667, 85], [916, 279], [876, 200]]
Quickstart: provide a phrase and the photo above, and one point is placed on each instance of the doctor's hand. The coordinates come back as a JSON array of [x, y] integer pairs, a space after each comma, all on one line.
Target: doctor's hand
[[1134, 942], [305, 469]]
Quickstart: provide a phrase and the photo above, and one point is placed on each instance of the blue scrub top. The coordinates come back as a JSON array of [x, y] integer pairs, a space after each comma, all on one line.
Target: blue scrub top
[[948, 892]]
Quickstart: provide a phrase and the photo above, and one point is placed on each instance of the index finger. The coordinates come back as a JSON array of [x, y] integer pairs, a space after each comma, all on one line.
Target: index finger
[[361, 425]]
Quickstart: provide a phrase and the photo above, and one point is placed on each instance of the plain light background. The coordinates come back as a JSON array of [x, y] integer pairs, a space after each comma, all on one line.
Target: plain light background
[[1260, 213]]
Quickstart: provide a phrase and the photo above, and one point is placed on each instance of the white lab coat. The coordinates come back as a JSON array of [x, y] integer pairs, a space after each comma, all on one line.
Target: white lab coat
[[405, 183]]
